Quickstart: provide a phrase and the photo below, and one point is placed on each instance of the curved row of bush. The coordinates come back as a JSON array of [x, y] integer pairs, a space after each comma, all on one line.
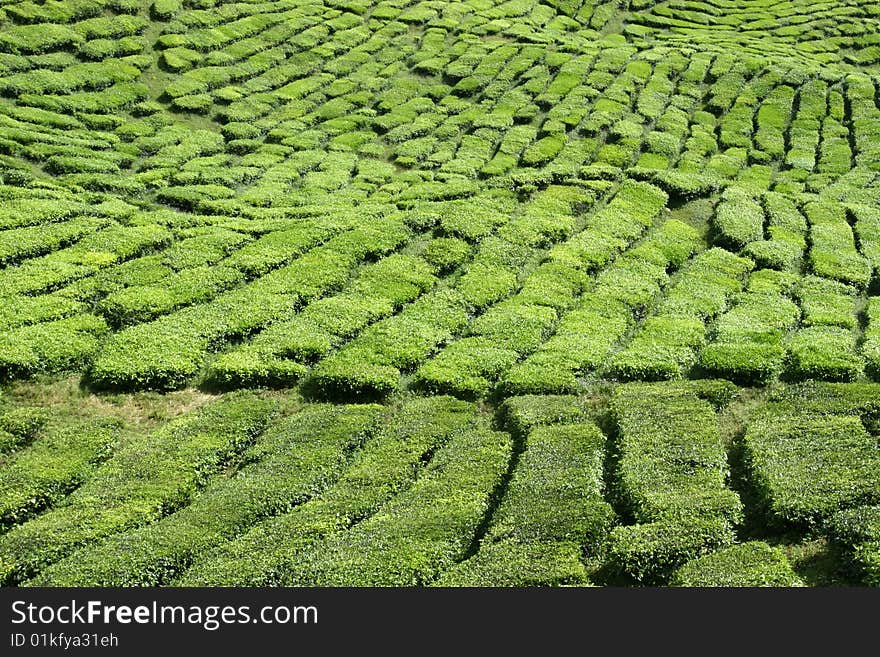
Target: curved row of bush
[[806, 463], [747, 345], [43, 473], [142, 480], [670, 475], [666, 345], [552, 513], [293, 460], [586, 334], [389, 464]]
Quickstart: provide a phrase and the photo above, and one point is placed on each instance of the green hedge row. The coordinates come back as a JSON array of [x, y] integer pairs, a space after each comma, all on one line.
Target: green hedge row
[[824, 352], [493, 273], [386, 465], [772, 118], [88, 76], [804, 464], [552, 215], [787, 230], [655, 95], [41, 474], [804, 131], [738, 219], [280, 354], [55, 12], [865, 119], [421, 531], [867, 556], [19, 426], [670, 475], [116, 98], [856, 532], [726, 88], [671, 461], [22, 243], [172, 147], [666, 345], [165, 9], [871, 346], [142, 481], [497, 339], [633, 209], [704, 285], [552, 513], [211, 81], [664, 348], [104, 27], [556, 285], [473, 218], [203, 247], [650, 552], [747, 342], [62, 345], [835, 154], [294, 460], [20, 212], [511, 563], [512, 329], [213, 38], [167, 352], [586, 334], [523, 413], [746, 564], [93, 252], [41, 38], [102, 49], [827, 303], [556, 492], [141, 303], [858, 399], [467, 367], [92, 288], [833, 252], [867, 228], [370, 364]]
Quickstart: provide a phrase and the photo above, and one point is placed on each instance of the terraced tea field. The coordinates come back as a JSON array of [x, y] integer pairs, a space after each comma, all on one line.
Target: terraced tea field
[[532, 292]]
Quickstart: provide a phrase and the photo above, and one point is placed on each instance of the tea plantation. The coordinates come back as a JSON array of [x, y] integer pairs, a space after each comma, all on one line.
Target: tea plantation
[[432, 293]]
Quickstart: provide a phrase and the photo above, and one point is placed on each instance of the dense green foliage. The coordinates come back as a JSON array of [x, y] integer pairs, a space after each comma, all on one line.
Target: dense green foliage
[[747, 564], [439, 293]]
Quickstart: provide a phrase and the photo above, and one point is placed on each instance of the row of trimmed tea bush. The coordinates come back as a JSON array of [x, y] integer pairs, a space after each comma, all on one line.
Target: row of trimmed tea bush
[[41, 474], [371, 364], [421, 531], [517, 327], [167, 352], [833, 252], [91, 253], [281, 353], [19, 426], [292, 461], [856, 532], [667, 343], [670, 475], [552, 513], [747, 345], [387, 465], [826, 345], [586, 334], [807, 463], [143, 480]]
